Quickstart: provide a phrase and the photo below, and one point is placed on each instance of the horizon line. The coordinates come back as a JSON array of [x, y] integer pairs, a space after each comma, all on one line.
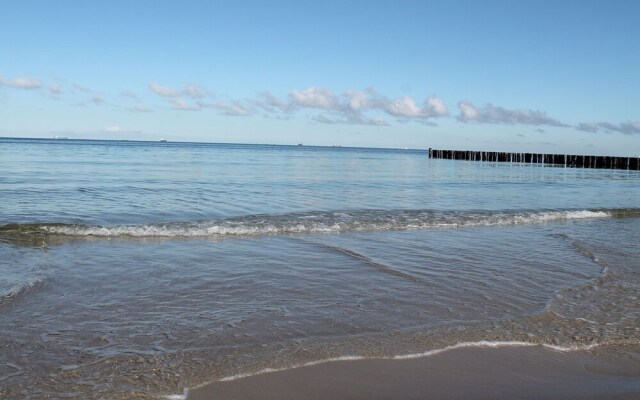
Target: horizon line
[[166, 141]]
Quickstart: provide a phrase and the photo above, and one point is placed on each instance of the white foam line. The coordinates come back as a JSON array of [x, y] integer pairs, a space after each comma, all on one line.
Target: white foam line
[[586, 320], [182, 396], [286, 227], [489, 344], [478, 344], [566, 349], [267, 370]]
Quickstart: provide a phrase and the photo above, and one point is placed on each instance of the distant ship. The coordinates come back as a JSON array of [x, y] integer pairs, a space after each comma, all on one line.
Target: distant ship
[[60, 137], [300, 144], [163, 140]]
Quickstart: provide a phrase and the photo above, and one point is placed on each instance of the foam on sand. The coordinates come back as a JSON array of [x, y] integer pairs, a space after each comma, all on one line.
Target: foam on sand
[[478, 370]]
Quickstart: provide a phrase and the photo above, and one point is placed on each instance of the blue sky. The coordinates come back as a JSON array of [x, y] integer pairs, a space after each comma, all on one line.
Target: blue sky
[[498, 75]]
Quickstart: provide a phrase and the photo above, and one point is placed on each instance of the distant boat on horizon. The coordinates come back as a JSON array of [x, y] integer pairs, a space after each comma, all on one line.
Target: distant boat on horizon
[[163, 140], [300, 144], [60, 137]]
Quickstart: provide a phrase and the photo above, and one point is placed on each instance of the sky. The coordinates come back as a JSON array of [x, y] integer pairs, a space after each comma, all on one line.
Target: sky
[[536, 76]]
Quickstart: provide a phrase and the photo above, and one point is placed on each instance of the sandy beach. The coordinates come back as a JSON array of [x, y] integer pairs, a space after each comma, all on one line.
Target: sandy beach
[[469, 373]]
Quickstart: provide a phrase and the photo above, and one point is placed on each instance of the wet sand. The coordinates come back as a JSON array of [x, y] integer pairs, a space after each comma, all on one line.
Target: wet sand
[[469, 373]]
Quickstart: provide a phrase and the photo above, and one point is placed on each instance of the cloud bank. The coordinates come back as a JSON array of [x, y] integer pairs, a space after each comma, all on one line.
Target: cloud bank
[[21, 83], [324, 106], [490, 114], [627, 128], [163, 90], [233, 108], [365, 107], [176, 97]]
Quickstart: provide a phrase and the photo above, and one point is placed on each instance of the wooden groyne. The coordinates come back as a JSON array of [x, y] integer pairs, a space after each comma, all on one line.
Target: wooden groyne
[[567, 160]]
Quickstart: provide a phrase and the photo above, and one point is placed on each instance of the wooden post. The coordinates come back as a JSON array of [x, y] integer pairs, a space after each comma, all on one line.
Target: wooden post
[[566, 160]]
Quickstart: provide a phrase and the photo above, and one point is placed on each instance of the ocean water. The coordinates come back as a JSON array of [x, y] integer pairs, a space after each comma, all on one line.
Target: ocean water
[[139, 269]]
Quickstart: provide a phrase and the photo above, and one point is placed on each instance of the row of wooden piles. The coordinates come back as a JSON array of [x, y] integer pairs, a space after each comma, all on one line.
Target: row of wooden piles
[[567, 160]]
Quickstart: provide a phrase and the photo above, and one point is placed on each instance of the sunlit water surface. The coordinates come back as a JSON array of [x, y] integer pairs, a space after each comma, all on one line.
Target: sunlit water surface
[[139, 269]]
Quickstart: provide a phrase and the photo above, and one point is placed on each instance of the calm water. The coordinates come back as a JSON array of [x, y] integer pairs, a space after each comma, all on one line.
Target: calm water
[[139, 269]]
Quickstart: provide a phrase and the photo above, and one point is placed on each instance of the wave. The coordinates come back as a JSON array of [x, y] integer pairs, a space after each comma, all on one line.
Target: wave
[[380, 267], [20, 290], [313, 222], [428, 353]]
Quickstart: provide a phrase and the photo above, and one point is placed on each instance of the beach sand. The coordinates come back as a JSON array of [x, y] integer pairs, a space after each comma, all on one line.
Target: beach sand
[[467, 373]]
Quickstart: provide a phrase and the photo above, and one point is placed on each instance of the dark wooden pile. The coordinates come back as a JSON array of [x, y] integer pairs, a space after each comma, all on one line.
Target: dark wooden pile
[[567, 160]]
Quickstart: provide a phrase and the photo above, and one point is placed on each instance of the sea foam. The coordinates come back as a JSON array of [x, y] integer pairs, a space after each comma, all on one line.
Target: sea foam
[[322, 222], [428, 353]]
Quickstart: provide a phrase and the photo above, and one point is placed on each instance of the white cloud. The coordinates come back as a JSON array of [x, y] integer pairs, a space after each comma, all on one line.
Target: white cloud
[[314, 97], [404, 107], [467, 111], [435, 107], [21, 83], [233, 108], [55, 89], [378, 122], [163, 90], [490, 114], [26, 83], [357, 100], [352, 106], [270, 103], [176, 98], [181, 104], [627, 128], [193, 91], [588, 127]]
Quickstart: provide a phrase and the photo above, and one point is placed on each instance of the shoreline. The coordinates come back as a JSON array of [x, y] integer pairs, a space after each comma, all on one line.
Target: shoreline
[[507, 370]]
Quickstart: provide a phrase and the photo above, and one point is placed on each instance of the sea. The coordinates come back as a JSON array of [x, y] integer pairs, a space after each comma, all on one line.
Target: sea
[[137, 270]]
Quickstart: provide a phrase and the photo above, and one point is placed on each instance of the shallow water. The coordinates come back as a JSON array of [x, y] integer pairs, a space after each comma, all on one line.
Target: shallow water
[[133, 268]]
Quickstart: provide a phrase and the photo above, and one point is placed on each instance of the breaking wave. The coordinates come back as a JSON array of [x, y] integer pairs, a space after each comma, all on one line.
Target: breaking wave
[[18, 290], [313, 222]]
